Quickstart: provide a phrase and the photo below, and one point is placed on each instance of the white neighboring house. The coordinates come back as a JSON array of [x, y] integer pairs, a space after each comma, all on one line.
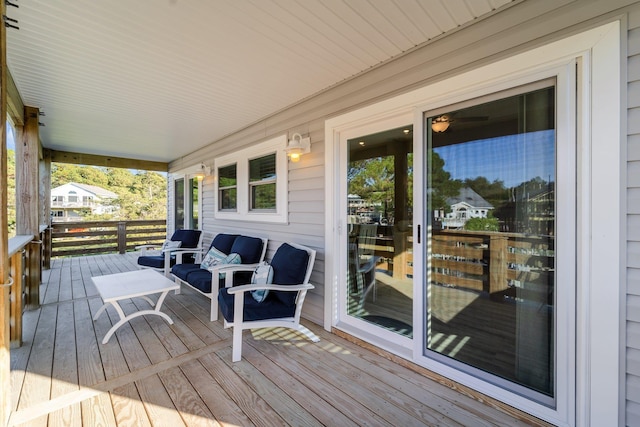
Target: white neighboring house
[[468, 204], [70, 200]]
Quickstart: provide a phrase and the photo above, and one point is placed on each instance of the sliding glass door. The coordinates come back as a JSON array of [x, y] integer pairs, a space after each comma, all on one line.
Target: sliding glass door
[[378, 245], [490, 263]]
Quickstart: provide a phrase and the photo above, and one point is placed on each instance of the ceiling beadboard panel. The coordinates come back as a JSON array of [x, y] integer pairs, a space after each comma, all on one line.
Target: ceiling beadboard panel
[[158, 79]]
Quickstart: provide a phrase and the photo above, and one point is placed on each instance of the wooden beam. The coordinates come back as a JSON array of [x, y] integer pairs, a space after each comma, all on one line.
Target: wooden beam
[[45, 190], [28, 198], [106, 161], [15, 107], [5, 303], [27, 171]]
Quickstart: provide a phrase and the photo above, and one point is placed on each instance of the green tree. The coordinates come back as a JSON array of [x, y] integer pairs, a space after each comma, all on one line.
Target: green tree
[[482, 224], [372, 179], [442, 186], [140, 195], [493, 192], [62, 173]]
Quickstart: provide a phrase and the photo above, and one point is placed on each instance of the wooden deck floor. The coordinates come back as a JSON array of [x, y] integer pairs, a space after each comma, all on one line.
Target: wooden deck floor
[[154, 374]]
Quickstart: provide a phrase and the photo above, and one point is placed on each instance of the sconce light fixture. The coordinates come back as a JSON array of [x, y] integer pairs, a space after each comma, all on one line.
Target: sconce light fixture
[[297, 146], [203, 171], [440, 124]]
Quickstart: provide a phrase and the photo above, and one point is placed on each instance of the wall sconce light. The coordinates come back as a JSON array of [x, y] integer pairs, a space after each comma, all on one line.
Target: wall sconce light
[[440, 124], [203, 171], [297, 146]]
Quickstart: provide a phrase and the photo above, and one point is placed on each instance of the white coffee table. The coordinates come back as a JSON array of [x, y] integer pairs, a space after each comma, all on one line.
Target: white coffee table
[[140, 283]]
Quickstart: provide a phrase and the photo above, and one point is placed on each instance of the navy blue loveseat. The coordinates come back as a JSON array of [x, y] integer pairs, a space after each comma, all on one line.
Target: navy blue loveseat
[[250, 251]]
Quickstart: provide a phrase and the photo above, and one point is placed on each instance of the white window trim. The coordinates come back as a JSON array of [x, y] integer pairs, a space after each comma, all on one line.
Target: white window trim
[[241, 159], [593, 399]]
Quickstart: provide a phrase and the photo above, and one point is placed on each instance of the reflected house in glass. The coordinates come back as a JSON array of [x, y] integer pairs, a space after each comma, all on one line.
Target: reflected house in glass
[[466, 205]]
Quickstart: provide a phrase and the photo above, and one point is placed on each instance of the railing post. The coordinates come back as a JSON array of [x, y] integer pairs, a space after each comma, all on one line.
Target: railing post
[[122, 237], [15, 297], [46, 248], [497, 263], [32, 287]]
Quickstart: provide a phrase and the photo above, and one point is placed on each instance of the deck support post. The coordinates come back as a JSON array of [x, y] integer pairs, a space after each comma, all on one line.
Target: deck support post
[[27, 198], [5, 381]]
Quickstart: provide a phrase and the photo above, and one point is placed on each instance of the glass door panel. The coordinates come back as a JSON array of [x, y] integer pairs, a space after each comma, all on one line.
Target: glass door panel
[[178, 212], [491, 253], [379, 222], [194, 184]]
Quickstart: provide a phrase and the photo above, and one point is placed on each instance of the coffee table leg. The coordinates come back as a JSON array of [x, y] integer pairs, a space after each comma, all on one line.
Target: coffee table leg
[[124, 319]]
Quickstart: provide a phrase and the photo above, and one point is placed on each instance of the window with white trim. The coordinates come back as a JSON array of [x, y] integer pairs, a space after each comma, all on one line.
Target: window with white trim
[[251, 184]]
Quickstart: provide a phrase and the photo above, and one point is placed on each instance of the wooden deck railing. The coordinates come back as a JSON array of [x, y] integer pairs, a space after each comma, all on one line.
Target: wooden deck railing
[[98, 237], [488, 261], [25, 274]]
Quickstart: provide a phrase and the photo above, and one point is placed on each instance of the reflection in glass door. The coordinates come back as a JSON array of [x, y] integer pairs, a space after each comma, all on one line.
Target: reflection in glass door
[[379, 220], [491, 262]]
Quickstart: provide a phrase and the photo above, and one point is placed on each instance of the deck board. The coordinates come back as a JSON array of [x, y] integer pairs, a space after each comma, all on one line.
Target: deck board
[[151, 373]]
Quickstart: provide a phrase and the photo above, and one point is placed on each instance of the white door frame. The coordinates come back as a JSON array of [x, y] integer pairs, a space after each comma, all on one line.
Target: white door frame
[[593, 398]]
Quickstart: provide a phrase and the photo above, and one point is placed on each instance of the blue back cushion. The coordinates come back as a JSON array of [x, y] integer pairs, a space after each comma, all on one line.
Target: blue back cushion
[[189, 238], [249, 249], [223, 242], [289, 268]]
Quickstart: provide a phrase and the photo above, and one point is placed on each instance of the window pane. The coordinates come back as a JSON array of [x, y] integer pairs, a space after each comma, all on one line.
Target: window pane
[[227, 188], [491, 266], [193, 221], [263, 196], [178, 204], [262, 180], [228, 199], [263, 168], [227, 176]]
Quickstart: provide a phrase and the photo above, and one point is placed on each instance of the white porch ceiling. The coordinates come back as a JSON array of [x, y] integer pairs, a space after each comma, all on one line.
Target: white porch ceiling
[[158, 79]]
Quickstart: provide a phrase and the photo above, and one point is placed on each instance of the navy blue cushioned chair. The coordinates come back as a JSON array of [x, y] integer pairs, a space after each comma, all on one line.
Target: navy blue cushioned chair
[[169, 255], [207, 281], [292, 265], [222, 242]]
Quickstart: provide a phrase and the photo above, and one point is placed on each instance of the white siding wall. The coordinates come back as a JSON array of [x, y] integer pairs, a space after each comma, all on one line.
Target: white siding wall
[[633, 223], [517, 29]]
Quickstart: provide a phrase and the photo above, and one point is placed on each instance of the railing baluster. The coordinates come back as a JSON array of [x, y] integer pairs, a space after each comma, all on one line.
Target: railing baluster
[[122, 237]]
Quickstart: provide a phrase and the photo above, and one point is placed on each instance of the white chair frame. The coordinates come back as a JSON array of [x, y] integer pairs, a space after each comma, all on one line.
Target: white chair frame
[[240, 292]]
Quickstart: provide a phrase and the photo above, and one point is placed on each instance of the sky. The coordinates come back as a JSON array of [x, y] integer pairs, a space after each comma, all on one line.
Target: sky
[[11, 143], [512, 159]]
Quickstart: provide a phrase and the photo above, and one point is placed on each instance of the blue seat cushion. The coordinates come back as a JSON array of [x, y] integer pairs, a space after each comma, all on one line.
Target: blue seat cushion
[[223, 242], [200, 279], [270, 308], [182, 270], [154, 261], [289, 268]]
